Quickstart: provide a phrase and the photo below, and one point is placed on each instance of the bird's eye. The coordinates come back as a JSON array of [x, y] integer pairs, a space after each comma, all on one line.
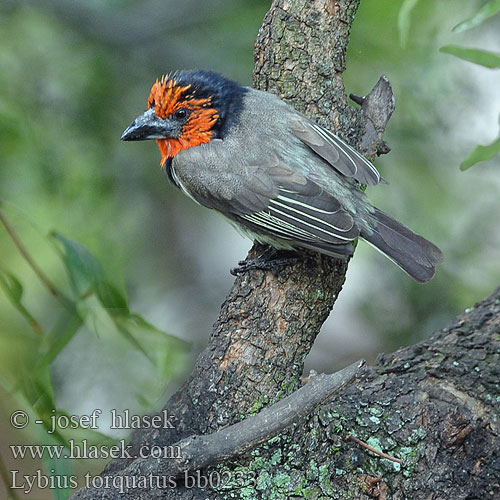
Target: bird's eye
[[181, 113]]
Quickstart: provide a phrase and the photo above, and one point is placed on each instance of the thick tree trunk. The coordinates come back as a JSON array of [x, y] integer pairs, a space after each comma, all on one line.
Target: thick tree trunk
[[435, 405]]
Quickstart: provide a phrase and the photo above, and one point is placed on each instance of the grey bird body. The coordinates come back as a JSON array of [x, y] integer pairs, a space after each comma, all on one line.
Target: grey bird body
[[285, 180], [261, 159]]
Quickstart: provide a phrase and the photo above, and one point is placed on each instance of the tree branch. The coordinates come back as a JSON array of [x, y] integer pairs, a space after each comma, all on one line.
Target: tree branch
[[197, 452], [377, 107], [236, 440]]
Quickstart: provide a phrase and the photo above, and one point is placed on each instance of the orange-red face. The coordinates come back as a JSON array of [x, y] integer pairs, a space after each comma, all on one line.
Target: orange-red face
[[186, 109], [194, 116], [178, 117]]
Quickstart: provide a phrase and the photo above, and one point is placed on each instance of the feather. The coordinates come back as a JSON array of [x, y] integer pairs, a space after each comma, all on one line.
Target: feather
[[306, 213], [412, 253], [342, 157]]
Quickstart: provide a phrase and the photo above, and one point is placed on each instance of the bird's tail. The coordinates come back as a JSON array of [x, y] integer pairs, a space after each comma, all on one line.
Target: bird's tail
[[412, 253]]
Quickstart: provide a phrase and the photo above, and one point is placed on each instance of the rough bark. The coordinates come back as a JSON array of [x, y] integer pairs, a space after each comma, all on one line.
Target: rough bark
[[434, 405]]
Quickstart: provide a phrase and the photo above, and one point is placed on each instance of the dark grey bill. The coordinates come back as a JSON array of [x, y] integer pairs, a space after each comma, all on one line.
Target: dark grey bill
[[150, 126]]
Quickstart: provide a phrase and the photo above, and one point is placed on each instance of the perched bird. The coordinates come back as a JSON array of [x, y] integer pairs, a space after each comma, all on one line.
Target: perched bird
[[277, 175]]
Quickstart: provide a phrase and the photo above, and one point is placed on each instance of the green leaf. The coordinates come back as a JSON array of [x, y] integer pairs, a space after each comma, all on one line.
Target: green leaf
[[159, 347], [112, 299], [125, 327], [36, 388], [477, 56], [481, 153], [404, 21], [486, 11], [67, 324], [87, 277], [84, 270], [11, 286], [14, 290]]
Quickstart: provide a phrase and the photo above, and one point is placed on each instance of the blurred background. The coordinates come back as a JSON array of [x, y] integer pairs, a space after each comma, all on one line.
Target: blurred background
[[74, 74]]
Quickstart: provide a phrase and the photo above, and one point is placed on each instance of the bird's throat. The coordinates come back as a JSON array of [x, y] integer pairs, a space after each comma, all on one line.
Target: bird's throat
[[168, 149]]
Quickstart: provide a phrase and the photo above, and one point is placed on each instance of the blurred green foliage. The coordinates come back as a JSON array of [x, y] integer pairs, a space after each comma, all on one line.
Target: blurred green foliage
[[91, 303], [482, 57], [487, 10], [481, 153], [111, 236]]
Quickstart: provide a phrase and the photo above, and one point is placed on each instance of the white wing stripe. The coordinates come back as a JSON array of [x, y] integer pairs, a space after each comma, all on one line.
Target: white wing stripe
[[296, 202], [281, 223], [287, 190], [279, 227], [329, 138], [340, 142], [260, 223], [286, 225], [315, 227], [274, 202]]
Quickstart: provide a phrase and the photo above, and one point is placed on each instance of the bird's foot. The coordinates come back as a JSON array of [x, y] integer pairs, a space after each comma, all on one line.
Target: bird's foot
[[270, 260]]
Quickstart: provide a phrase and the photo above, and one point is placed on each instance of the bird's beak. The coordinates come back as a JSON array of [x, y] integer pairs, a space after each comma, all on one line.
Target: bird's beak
[[149, 126]]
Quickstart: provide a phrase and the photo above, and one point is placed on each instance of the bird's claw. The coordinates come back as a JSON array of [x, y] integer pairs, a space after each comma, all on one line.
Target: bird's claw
[[268, 261]]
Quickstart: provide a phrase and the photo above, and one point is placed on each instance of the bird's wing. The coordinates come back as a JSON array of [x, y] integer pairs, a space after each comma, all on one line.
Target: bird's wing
[[268, 197], [342, 157], [305, 212]]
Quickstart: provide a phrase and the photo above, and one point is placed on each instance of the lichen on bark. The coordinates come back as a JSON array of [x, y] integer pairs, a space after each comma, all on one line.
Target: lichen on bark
[[435, 405]]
